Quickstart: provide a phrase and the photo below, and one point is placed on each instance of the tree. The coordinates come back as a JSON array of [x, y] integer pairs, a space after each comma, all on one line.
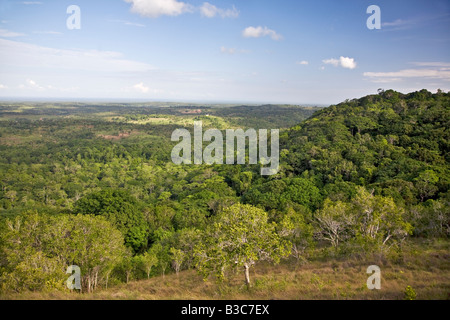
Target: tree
[[108, 269], [304, 192], [294, 228], [39, 248], [89, 242], [379, 219], [425, 184], [24, 263], [149, 260], [431, 220], [369, 221], [186, 240], [178, 257], [239, 236], [162, 255], [11, 195], [334, 223], [122, 210], [127, 266]]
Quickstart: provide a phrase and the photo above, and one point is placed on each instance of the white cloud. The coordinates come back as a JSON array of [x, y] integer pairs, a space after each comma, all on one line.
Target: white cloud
[[344, 62], [129, 23], [426, 71], [396, 23], [348, 63], [333, 62], [31, 56], [404, 24], [385, 80], [141, 87], [432, 64], [156, 8], [232, 51], [210, 11], [302, 63], [3, 87], [416, 22], [9, 34], [228, 50], [31, 2], [252, 32], [33, 85], [437, 73]]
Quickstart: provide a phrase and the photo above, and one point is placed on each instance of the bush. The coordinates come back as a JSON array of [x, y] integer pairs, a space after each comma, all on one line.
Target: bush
[[410, 294]]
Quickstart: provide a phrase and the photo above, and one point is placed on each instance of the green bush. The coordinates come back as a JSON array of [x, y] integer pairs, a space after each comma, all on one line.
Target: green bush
[[410, 294]]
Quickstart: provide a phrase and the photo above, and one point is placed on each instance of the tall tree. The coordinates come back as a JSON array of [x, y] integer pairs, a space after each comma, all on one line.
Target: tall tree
[[149, 260], [239, 236], [334, 222], [122, 210]]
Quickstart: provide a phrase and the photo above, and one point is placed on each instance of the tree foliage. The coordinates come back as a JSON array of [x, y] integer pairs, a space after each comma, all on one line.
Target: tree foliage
[[122, 210], [239, 237], [359, 176], [36, 255]]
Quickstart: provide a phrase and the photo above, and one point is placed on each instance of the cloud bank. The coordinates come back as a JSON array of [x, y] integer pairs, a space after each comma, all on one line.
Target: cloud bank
[[425, 70]]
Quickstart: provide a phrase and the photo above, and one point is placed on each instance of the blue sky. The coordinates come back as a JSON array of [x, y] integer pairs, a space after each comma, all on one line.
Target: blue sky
[[299, 52]]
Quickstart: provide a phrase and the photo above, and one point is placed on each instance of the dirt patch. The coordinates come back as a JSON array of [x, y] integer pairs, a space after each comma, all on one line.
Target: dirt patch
[[197, 111], [10, 141], [115, 138], [120, 136]]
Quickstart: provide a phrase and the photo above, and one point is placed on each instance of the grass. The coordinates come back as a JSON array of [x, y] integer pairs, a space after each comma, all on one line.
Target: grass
[[183, 120], [15, 140], [424, 266]]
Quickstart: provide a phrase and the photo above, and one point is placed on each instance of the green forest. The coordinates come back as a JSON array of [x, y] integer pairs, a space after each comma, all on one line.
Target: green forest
[[362, 182]]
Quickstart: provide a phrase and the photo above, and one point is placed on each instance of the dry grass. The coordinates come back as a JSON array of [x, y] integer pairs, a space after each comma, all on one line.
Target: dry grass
[[425, 267]]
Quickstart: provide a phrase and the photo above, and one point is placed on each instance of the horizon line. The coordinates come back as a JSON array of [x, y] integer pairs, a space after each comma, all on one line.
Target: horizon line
[[128, 100]]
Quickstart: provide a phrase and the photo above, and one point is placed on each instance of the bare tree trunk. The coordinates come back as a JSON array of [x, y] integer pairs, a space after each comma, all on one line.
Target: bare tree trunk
[[96, 280], [247, 275]]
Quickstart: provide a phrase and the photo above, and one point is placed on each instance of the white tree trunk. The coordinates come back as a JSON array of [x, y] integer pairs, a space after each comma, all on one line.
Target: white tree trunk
[[247, 275]]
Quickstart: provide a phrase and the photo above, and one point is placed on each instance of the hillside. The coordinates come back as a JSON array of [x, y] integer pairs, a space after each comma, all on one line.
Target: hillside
[[394, 143], [359, 182]]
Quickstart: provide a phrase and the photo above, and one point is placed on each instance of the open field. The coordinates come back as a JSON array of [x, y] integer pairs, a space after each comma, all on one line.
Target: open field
[[217, 116]]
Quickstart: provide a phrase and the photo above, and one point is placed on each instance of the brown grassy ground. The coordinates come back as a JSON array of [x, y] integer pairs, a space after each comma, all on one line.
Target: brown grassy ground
[[424, 266]]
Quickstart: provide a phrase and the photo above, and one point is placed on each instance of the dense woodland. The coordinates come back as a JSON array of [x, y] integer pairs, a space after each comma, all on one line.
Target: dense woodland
[[94, 186]]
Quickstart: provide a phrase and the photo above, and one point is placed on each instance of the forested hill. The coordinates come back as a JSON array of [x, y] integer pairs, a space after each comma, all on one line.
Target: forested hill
[[397, 144], [358, 179]]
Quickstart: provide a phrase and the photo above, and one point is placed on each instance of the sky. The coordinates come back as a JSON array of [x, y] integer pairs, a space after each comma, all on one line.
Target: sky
[[230, 51]]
